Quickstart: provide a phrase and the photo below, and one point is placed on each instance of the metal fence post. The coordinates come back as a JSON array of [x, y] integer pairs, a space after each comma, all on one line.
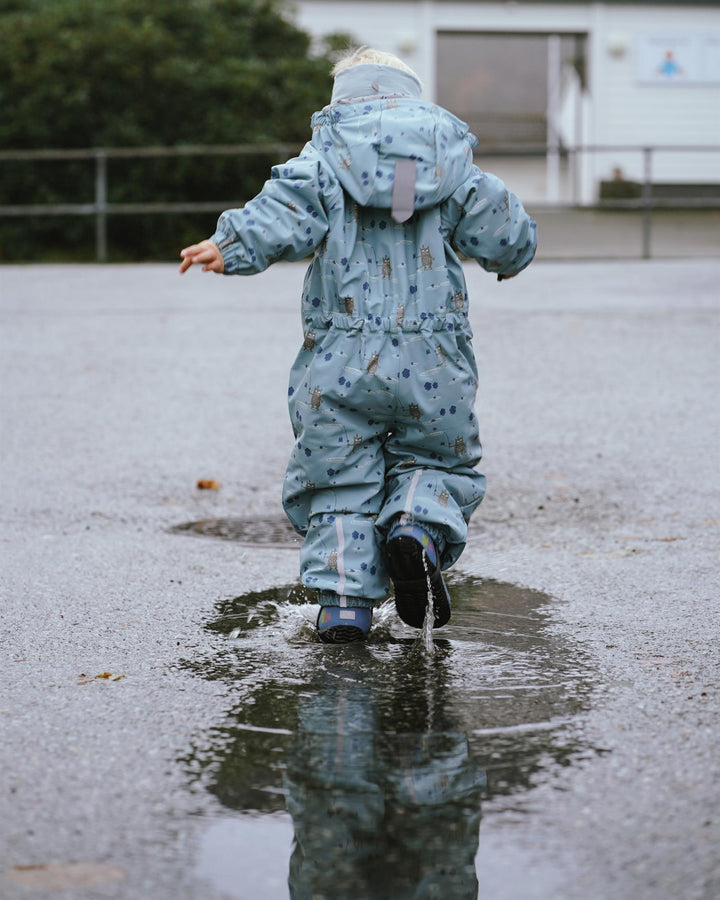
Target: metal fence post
[[101, 205], [552, 114], [647, 200]]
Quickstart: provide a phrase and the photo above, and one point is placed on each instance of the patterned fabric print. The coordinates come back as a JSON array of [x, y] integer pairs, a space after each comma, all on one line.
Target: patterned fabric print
[[385, 427], [382, 392]]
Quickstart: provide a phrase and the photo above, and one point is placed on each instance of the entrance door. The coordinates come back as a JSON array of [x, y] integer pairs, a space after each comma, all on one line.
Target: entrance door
[[520, 94]]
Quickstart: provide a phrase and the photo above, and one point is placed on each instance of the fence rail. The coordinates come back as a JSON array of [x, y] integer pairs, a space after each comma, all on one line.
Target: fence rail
[[101, 207]]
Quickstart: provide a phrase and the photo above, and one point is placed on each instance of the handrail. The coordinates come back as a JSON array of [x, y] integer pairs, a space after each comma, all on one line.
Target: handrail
[[101, 208], [140, 152], [271, 147]]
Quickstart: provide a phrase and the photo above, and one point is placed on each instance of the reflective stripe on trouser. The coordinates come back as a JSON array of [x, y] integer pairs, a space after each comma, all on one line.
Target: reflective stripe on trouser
[[385, 429]]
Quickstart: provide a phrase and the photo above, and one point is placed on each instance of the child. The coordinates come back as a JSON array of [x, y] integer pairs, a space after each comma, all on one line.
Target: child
[[381, 481]]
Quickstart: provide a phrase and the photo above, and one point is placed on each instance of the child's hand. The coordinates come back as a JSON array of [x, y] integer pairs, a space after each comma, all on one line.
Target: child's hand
[[205, 253]]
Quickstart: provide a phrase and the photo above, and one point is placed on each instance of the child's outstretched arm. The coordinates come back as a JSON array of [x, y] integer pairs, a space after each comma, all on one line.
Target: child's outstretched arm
[[287, 220], [488, 223]]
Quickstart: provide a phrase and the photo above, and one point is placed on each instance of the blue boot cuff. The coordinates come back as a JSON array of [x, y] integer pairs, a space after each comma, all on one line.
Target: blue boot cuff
[[420, 535], [355, 616]]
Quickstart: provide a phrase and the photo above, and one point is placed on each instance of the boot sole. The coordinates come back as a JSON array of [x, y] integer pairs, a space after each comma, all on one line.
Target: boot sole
[[341, 634]]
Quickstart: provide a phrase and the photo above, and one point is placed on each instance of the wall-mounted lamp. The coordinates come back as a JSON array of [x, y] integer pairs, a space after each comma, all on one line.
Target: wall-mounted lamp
[[407, 43], [618, 45]]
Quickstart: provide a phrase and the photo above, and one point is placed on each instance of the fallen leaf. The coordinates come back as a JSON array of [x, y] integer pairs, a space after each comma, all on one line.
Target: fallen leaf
[[64, 876], [103, 676], [208, 484]]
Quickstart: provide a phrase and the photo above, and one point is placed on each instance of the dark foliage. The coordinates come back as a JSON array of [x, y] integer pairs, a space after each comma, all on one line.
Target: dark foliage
[[128, 73]]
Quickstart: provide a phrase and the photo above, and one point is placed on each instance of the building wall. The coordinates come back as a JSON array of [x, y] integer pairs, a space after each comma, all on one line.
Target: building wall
[[628, 111], [618, 108]]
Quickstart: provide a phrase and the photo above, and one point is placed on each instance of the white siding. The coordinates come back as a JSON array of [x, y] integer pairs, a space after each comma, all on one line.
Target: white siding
[[628, 112], [408, 28], [618, 109]]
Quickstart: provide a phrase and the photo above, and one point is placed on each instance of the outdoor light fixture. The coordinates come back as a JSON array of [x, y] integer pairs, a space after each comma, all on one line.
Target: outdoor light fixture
[[407, 43], [618, 45]]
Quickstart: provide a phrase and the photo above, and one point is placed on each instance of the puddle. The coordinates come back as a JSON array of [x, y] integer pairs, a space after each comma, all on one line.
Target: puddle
[[250, 532], [368, 766]]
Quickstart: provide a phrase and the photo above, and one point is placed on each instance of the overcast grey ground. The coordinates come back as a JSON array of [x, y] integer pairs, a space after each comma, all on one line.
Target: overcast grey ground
[[122, 386]]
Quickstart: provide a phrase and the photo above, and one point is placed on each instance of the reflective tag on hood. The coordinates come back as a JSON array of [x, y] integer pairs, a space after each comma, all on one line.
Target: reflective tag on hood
[[403, 195]]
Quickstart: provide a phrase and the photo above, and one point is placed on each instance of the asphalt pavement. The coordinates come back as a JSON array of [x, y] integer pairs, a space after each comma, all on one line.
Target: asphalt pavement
[[123, 386]]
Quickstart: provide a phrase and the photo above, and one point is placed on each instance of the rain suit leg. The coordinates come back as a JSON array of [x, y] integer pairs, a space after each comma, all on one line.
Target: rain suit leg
[[385, 432]]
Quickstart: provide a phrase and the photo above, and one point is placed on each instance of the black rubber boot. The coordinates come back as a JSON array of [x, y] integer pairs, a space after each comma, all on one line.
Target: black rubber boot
[[416, 575]]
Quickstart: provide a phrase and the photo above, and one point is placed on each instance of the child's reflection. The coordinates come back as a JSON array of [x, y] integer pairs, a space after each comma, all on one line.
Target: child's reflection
[[378, 813]]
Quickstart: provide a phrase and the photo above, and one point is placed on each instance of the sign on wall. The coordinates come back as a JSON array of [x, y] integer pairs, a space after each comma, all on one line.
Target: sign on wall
[[678, 59]]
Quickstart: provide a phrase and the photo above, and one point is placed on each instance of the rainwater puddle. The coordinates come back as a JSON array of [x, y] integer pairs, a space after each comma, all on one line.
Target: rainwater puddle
[[362, 771], [250, 532]]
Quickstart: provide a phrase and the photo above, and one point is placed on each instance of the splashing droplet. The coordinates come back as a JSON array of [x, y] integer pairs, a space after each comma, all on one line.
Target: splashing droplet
[[429, 614]]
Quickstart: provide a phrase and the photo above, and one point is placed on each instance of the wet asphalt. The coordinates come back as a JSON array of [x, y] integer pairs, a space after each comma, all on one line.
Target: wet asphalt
[[122, 386]]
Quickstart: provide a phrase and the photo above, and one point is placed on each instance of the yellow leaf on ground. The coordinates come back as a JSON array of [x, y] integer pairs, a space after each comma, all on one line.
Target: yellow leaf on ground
[[64, 876], [103, 676]]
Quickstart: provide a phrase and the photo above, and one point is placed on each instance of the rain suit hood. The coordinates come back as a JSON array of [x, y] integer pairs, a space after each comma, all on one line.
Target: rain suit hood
[[388, 148]]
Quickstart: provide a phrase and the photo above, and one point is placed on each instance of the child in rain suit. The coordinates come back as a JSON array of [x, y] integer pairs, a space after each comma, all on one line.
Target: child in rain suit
[[385, 197]]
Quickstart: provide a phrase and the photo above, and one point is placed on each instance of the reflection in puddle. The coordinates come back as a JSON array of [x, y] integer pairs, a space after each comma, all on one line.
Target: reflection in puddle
[[382, 753]]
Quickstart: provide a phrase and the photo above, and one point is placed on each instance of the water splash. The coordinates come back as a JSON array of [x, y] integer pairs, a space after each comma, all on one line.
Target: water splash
[[429, 622]]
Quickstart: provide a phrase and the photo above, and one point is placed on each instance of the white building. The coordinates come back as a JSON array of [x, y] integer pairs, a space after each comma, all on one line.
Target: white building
[[544, 78]]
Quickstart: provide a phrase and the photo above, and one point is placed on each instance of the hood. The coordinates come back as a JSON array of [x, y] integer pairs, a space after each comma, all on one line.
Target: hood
[[388, 148]]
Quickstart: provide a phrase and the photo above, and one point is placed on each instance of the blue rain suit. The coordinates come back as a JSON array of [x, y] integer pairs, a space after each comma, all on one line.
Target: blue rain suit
[[385, 197]]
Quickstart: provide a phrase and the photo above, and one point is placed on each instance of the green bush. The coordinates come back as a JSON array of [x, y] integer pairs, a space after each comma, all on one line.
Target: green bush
[[128, 73]]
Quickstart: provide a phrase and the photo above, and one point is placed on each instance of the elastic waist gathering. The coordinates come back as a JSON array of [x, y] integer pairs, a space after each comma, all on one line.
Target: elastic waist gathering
[[427, 322]]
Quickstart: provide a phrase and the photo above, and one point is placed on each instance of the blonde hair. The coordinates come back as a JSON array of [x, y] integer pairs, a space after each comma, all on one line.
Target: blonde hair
[[367, 56]]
